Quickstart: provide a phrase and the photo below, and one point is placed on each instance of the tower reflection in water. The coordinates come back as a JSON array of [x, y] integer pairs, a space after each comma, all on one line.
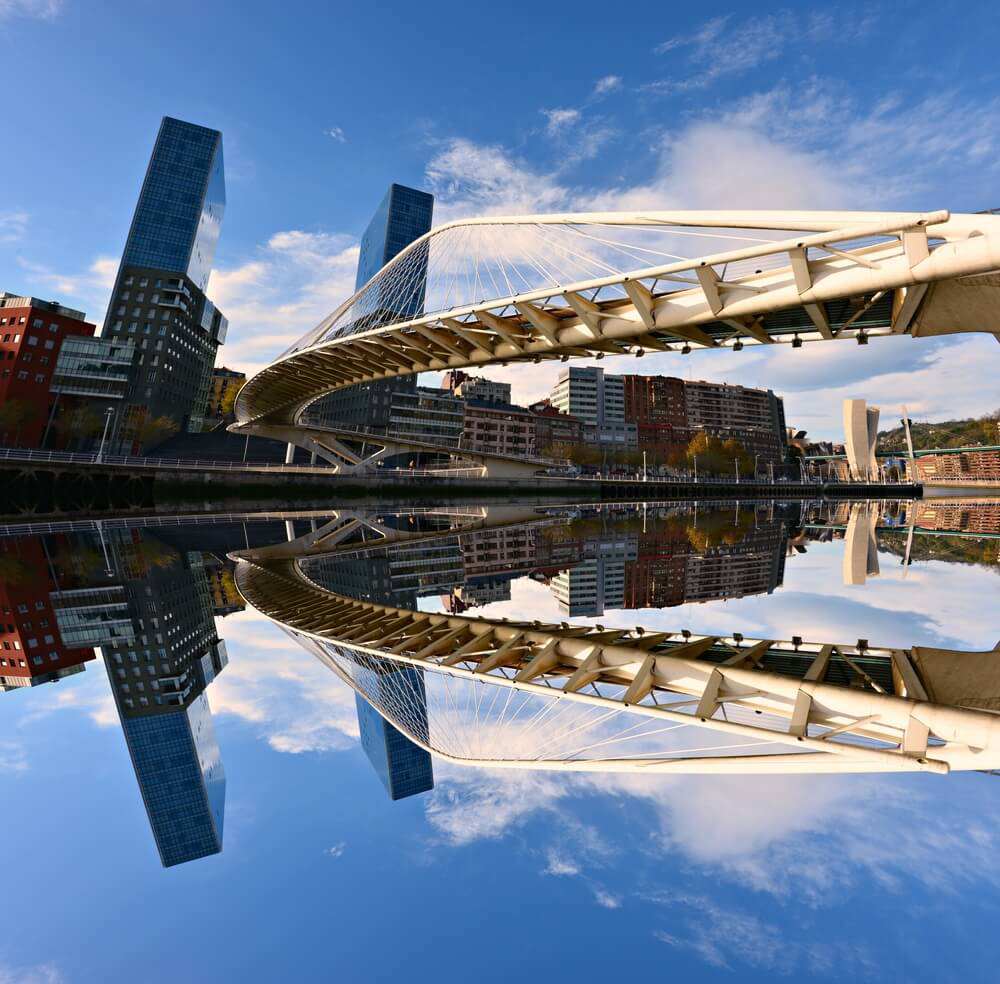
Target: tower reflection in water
[[149, 600]]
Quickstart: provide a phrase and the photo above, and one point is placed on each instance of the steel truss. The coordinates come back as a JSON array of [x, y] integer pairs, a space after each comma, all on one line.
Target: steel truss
[[831, 707], [837, 275]]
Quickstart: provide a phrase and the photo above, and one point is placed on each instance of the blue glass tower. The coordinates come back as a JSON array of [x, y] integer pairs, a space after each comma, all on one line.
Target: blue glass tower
[[403, 216], [179, 214], [179, 768], [159, 300], [403, 767]]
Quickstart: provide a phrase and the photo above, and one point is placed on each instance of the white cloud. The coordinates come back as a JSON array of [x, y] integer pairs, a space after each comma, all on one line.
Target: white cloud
[[89, 289], [722, 46], [336, 133], [607, 84], [294, 281], [41, 9], [13, 225], [337, 850], [13, 759], [559, 119], [38, 974], [606, 899], [559, 864], [293, 702], [724, 937]]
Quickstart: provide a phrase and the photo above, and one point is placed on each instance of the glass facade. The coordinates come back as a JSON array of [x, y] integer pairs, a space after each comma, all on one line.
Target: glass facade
[[402, 216], [403, 767], [179, 769], [93, 367], [177, 221]]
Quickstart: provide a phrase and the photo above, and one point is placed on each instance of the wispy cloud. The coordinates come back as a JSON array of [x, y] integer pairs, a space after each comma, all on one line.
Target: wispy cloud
[[557, 120], [336, 133], [724, 46], [725, 937], [337, 850], [607, 84], [13, 225], [13, 759], [38, 974], [606, 899], [559, 864], [41, 9]]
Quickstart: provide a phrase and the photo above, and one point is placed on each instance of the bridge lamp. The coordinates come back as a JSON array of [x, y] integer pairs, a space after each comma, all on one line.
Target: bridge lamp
[[737, 346], [599, 355], [862, 338], [639, 353], [686, 350], [564, 358], [796, 342]]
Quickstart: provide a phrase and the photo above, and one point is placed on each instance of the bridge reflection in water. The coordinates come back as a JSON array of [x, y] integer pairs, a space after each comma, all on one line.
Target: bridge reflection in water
[[463, 684], [559, 697]]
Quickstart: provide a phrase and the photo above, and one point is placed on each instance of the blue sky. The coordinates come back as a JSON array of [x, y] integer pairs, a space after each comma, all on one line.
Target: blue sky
[[526, 108], [732, 878]]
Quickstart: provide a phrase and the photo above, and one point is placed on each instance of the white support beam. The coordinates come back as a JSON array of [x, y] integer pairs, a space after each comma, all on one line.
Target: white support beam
[[709, 281], [544, 323], [642, 300], [505, 328]]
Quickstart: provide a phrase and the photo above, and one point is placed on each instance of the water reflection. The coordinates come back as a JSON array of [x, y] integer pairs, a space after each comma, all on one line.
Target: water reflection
[[149, 597]]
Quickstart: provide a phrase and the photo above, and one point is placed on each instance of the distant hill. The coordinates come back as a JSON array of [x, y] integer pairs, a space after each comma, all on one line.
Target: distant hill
[[946, 434]]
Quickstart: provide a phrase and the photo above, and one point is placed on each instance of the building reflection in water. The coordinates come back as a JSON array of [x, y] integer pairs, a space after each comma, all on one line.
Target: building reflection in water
[[149, 601]]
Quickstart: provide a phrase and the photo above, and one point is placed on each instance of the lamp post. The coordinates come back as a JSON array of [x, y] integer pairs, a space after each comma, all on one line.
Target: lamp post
[[644, 466], [696, 468], [107, 420], [736, 461], [756, 458]]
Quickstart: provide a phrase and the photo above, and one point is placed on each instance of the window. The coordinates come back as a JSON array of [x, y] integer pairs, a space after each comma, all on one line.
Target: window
[[37, 323], [132, 327], [49, 641], [22, 375], [25, 356], [53, 656], [53, 328], [117, 326], [39, 377], [120, 310], [144, 282], [32, 339], [32, 643], [44, 360], [49, 344], [17, 338], [128, 281], [37, 660]]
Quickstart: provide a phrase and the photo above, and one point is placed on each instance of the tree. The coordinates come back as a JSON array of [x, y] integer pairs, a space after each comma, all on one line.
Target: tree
[[78, 422], [14, 414], [153, 430]]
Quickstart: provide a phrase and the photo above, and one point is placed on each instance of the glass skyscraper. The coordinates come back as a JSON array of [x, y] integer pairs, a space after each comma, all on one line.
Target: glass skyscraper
[[159, 300], [404, 215], [177, 220], [403, 767]]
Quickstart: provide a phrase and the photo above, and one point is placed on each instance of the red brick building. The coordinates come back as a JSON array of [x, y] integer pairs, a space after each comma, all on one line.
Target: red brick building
[[31, 647], [553, 428], [658, 407], [31, 334]]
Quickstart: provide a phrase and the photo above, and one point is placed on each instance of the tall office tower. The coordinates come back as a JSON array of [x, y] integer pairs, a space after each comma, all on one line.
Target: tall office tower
[[32, 333], [403, 767], [159, 294], [598, 401], [404, 215], [158, 676]]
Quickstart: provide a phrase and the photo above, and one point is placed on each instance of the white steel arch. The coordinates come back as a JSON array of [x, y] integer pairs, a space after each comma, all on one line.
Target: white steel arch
[[757, 705], [491, 290]]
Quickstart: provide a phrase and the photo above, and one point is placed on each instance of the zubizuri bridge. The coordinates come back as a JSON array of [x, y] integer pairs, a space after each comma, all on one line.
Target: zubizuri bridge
[[502, 290], [521, 694]]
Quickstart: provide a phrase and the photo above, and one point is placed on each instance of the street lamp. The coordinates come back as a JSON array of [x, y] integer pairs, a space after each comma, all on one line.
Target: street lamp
[[108, 414], [736, 461], [696, 468], [756, 458], [644, 466]]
